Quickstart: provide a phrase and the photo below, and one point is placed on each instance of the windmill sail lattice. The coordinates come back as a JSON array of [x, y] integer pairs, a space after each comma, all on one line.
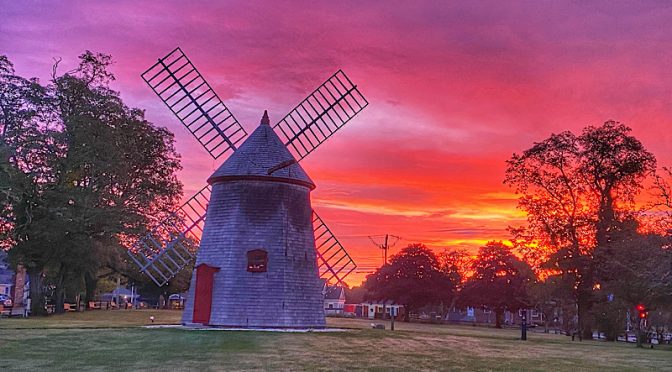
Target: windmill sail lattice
[[334, 262], [320, 115], [162, 258], [171, 246], [186, 93]]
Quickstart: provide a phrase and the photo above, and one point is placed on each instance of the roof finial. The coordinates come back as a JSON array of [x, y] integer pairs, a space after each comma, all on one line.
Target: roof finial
[[264, 119]]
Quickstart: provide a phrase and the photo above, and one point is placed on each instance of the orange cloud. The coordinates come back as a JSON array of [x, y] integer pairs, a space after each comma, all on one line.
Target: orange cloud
[[455, 89]]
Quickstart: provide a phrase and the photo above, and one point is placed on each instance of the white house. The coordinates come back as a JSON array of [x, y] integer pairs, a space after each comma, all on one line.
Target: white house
[[334, 300], [375, 309]]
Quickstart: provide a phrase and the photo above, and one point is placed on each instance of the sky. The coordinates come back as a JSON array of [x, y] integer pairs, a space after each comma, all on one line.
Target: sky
[[455, 88]]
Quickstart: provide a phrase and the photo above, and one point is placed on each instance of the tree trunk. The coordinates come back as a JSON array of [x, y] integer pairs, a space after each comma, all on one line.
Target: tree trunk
[[91, 283], [59, 294], [442, 309], [407, 314], [499, 317], [585, 326], [37, 304], [639, 333], [59, 300], [564, 317]]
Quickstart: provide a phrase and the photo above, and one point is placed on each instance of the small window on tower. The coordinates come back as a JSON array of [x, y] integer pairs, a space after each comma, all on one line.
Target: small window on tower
[[257, 261]]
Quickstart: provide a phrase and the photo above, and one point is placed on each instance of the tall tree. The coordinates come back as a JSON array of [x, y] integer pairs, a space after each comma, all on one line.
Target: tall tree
[[105, 174], [456, 263], [24, 172], [552, 296], [657, 215], [636, 268], [413, 278], [355, 295], [615, 163], [500, 281], [575, 189], [22, 144]]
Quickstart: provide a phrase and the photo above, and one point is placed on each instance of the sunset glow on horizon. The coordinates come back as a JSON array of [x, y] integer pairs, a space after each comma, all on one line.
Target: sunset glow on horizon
[[454, 91]]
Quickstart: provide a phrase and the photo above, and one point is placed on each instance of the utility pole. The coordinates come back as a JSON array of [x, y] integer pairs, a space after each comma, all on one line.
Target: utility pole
[[385, 245]]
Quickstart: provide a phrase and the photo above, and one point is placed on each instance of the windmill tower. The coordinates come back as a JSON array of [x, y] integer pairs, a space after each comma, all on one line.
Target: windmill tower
[[263, 249]]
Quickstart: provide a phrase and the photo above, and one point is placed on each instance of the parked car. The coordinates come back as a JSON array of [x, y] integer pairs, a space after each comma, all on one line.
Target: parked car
[[5, 300]]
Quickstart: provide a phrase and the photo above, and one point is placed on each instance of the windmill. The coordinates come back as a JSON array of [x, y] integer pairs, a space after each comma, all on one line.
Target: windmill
[[173, 244]]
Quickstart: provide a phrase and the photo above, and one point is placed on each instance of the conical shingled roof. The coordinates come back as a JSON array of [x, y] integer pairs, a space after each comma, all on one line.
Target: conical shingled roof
[[262, 156]]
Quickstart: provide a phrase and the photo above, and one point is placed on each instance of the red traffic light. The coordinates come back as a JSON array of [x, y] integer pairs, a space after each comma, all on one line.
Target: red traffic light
[[642, 314], [640, 307]]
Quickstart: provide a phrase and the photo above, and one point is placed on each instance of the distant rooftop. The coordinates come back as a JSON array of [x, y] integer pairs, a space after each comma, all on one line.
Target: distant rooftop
[[333, 292]]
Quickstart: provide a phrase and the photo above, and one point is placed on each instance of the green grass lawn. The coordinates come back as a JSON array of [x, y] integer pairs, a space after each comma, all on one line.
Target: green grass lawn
[[105, 340]]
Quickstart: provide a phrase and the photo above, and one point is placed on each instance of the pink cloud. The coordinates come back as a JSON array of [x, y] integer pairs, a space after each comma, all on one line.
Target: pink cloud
[[455, 89]]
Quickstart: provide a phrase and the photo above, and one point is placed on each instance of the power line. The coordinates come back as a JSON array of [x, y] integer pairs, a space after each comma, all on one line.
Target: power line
[[388, 242]]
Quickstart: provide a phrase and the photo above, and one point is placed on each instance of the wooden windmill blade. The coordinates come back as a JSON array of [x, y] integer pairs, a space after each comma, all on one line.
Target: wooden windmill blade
[[172, 245], [198, 107], [320, 115], [334, 262]]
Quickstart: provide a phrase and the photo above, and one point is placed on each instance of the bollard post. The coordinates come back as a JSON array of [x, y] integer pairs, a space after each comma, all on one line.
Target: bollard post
[[392, 325], [523, 325]]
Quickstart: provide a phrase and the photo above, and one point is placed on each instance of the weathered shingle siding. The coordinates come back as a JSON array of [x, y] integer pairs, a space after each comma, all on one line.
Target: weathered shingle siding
[[273, 216], [262, 151]]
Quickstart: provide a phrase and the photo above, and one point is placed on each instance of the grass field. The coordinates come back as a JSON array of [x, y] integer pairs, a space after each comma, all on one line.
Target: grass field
[[105, 340]]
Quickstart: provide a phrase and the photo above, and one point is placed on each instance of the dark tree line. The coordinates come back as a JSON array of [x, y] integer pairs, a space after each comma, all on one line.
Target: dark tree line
[[587, 250], [416, 277], [500, 281], [413, 278], [81, 176]]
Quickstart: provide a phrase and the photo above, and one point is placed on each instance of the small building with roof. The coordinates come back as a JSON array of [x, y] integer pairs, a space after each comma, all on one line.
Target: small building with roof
[[6, 282], [14, 285], [379, 309], [334, 300], [6, 276]]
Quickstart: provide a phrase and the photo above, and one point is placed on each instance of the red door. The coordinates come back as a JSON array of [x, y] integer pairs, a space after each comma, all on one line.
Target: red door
[[203, 299]]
